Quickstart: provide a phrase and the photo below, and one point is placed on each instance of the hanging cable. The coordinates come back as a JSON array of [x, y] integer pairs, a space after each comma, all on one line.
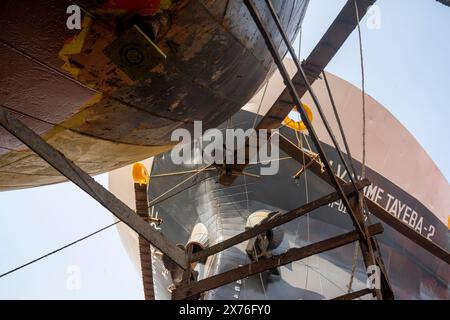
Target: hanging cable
[[83, 238], [59, 249]]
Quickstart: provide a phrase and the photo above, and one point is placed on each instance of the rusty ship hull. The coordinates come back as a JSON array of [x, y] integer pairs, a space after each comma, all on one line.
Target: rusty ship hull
[[185, 60]]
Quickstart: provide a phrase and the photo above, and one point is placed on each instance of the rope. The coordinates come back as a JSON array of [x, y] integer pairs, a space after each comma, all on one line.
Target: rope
[[260, 275], [350, 159], [260, 104], [180, 191], [229, 123], [291, 50], [352, 275], [169, 174], [363, 165], [246, 193], [154, 201], [363, 168], [300, 145], [338, 120], [308, 145]]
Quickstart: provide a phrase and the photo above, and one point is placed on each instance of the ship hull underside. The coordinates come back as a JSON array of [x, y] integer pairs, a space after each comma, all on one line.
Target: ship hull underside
[[414, 273]]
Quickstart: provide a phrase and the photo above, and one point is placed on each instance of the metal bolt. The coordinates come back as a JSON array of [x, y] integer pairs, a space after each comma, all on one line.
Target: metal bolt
[[134, 56]]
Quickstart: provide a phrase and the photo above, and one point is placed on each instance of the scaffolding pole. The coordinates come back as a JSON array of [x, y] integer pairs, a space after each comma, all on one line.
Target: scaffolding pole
[[72, 172]]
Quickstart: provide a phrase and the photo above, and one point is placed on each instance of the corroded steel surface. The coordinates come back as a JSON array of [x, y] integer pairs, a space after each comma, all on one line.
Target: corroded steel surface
[[93, 112]]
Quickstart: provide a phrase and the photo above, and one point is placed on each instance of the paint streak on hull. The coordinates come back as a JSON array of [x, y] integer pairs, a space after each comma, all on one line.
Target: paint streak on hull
[[94, 112]]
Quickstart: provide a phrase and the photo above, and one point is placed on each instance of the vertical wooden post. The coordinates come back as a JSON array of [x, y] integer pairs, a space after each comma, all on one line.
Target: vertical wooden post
[[141, 179]]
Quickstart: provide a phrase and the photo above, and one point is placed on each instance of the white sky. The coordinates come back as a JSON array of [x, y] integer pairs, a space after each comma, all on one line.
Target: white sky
[[407, 70]]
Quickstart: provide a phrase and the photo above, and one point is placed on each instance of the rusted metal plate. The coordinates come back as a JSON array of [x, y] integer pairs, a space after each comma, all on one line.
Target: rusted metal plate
[[135, 53], [30, 87], [213, 68], [37, 28]]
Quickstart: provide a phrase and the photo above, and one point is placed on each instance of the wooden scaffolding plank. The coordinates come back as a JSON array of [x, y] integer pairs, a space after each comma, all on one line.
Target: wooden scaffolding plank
[[289, 256], [408, 232], [354, 295], [259, 21], [338, 32], [277, 221], [72, 172], [330, 43], [292, 150]]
